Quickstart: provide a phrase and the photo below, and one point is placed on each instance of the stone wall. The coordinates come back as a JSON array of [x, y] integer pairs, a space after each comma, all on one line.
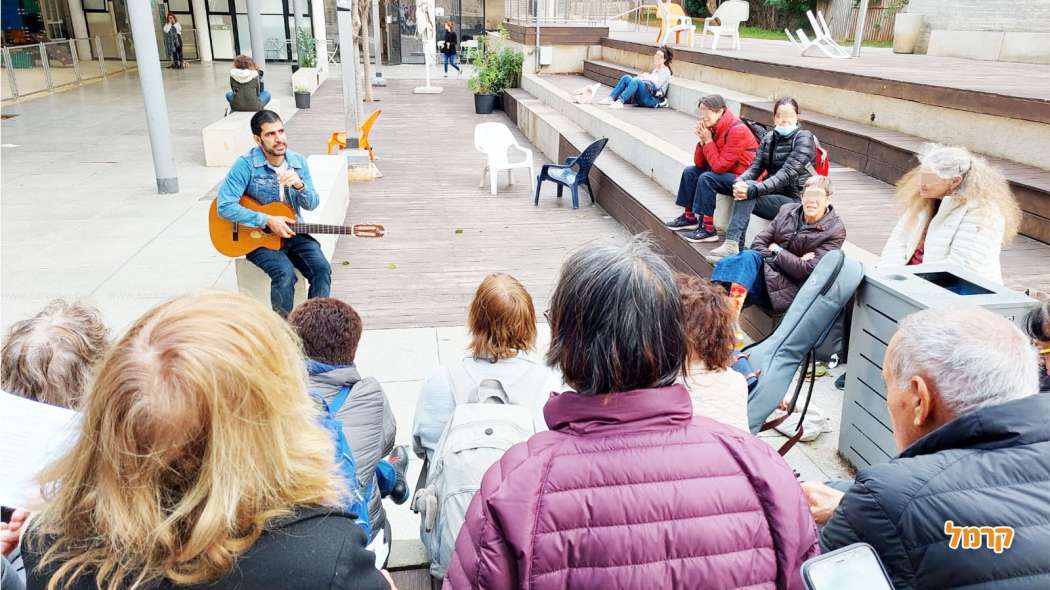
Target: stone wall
[[981, 15]]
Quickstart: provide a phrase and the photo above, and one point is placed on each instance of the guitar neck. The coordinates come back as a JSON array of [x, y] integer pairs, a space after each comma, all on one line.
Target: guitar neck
[[317, 228]]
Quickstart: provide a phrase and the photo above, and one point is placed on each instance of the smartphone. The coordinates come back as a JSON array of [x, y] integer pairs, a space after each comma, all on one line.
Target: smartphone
[[854, 567]]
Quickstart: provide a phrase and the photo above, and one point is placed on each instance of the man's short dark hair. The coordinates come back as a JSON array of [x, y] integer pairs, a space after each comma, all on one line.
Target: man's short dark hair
[[329, 328], [616, 320], [261, 118]]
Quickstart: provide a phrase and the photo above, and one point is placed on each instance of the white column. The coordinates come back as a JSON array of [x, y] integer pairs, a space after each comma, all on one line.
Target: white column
[[200, 22], [80, 28], [320, 33], [255, 31], [348, 61]]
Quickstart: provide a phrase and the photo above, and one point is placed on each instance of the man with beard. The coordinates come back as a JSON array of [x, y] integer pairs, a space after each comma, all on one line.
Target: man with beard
[[271, 172]]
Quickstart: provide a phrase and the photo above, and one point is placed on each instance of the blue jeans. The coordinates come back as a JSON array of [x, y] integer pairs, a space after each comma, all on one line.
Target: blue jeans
[[264, 97], [450, 60], [631, 88], [297, 252], [744, 269], [766, 207], [700, 187]]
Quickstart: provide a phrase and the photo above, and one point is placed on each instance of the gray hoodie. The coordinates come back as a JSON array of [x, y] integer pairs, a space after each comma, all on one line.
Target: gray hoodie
[[369, 426]]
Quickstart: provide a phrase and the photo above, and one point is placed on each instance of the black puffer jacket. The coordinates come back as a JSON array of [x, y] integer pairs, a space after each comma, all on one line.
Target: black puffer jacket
[[989, 467], [784, 160]]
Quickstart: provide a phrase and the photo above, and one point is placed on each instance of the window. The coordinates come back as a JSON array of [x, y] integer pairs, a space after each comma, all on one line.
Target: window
[[95, 6]]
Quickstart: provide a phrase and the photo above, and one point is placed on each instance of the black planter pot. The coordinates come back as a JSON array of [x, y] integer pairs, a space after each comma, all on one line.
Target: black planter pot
[[484, 103], [295, 68], [302, 100]]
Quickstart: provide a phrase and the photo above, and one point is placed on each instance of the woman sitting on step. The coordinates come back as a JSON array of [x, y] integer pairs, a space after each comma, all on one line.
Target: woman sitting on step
[[647, 90], [785, 253], [776, 176], [247, 93], [957, 209]]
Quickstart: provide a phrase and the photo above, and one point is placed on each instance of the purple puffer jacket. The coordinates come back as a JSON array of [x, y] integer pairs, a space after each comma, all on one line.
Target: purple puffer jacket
[[630, 490]]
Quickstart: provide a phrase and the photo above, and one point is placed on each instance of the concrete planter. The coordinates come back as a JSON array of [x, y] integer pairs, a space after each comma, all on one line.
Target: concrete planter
[[906, 29]]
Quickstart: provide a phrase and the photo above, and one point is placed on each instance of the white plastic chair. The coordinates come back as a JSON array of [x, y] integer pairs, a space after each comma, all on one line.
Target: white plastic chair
[[675, 21], [729, 16], [494, 140]]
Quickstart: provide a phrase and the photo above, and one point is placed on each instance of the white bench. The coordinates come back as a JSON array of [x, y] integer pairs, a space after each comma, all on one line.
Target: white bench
[[330, 180], [226, 139]]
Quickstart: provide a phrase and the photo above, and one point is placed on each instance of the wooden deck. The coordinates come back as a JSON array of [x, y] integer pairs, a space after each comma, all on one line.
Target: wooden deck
[[1016, 90], [443, 233], [866, 204]]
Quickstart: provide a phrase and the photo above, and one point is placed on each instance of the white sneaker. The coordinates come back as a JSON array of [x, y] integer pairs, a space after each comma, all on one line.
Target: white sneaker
[[726, 250], [616, 105], [605, 101]]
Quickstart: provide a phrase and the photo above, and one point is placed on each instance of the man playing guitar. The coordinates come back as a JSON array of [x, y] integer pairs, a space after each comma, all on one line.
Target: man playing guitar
[[271, 172]]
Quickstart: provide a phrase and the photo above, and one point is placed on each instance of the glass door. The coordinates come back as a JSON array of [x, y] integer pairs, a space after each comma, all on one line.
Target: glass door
[[221, 28], [411, 46]]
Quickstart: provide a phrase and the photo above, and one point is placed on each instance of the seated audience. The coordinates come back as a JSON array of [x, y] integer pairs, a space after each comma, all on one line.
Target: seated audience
[[957, 209], [201, 462], [974, 440], [774, 178], [717, 391], [629, 489], [647, 90], [724, 150], [785, 253], [330, 331], [247, 93], [50, 357], [1037, 326], [502, 326]]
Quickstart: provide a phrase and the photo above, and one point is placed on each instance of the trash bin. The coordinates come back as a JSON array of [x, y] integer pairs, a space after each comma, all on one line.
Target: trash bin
[[884, 298]]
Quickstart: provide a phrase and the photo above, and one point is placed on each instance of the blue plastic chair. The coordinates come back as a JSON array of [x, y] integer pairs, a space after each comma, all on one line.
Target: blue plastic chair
[[565, 176]]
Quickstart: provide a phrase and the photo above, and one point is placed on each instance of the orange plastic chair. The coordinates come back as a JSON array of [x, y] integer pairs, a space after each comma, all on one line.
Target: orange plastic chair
[[338, 138], [669, 11]]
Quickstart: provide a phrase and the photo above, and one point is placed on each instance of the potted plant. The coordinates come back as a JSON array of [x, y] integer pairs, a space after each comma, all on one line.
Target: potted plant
[[302, 97], [508, 68], [483, 81]]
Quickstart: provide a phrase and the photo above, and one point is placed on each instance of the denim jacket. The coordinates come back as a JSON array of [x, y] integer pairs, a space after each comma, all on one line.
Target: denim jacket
[[251, 176]]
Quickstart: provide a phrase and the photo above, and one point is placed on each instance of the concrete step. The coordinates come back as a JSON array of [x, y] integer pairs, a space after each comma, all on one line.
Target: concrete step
[[881, 153]]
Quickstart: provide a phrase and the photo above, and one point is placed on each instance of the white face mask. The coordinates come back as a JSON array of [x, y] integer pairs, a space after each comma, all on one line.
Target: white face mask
[[785, 130]]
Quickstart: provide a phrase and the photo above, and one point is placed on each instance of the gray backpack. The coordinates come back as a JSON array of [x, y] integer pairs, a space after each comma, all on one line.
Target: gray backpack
[[489, 418], [777, 358]]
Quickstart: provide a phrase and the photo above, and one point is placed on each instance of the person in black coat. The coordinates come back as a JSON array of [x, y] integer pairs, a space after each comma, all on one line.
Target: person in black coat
[[448, 47], [962, 394], [201, 462], [774, 178]]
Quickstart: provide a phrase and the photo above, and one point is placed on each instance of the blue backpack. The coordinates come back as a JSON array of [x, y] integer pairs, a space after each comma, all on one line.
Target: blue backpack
[[355, 503]]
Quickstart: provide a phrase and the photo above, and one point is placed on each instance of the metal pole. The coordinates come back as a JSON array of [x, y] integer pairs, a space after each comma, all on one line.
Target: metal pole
[[122, 51], [46, 65], [347, 60], [858, 35], [76, 60], [101, 57], [299, 9], [378, 53], [255, 31], [11, 72], [537, 4], [156, 104]]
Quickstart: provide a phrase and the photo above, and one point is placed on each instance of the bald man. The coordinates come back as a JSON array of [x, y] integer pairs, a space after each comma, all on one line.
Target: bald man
[[962, 393]]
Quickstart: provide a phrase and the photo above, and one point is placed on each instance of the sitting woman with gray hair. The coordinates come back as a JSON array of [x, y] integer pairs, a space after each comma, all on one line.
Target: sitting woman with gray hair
[[957, 209], [628, 489], [49, 357]]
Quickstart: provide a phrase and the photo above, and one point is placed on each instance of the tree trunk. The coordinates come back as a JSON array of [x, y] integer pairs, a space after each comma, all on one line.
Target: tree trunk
[[361, 18]]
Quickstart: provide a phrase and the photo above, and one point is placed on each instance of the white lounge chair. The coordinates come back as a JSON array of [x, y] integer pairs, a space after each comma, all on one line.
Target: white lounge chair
[[494, 140], [823, 44], [729, 15]]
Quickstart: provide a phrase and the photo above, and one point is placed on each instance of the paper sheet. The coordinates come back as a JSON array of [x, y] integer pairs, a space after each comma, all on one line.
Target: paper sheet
[[32, 434]]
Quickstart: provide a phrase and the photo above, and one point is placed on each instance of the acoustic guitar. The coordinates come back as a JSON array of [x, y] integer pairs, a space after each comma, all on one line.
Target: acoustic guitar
[[232, 239]]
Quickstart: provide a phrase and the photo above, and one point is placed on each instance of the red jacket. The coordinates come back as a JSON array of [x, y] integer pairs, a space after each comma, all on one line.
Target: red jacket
[[732, 150]]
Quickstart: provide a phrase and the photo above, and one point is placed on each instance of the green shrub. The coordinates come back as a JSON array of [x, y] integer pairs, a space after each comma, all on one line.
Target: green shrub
[[495, 71], [695, 8]]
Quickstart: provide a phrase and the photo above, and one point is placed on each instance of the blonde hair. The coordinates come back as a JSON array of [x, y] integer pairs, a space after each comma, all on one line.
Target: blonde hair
[[502, 319], [49, 357], [982, 186], [198, 431]]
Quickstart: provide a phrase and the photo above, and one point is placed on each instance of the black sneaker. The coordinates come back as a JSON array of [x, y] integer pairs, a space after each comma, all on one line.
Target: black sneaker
[[700, 235], [399, 459], [682, 222]]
